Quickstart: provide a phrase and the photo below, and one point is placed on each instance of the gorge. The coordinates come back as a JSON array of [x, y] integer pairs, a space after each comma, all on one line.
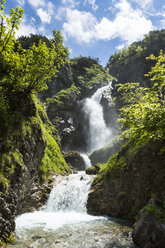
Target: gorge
[[60, 117], [63, 221]]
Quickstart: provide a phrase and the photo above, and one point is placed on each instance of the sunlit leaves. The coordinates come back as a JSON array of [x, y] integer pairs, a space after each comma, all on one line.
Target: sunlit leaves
[[26, 70], [143, 115]]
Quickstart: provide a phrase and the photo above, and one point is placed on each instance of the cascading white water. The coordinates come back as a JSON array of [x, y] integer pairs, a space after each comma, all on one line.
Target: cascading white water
[[86, 160], [64, 220], [99, 133], [66, 204], [71, 194]]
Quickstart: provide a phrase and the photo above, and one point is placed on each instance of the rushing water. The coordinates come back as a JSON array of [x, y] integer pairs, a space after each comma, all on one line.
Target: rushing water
[[64, 221], [86, 160], [99, 133]]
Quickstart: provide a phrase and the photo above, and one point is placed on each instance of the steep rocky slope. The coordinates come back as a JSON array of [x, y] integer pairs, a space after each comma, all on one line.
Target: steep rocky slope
[[29, 159], [78, 80], [126, 183]]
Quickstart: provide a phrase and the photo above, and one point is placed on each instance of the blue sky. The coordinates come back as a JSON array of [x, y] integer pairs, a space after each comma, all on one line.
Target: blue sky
[[96, 28]]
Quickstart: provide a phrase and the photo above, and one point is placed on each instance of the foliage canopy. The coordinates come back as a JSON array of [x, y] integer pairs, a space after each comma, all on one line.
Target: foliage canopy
[[143, 115], [26, 70]]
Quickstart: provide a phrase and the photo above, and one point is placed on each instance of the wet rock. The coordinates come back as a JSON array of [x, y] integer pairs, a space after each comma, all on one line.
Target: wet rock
[[149, 230], [75, 159], [109, 110], [7, 215], [92, 170], [102, 155]]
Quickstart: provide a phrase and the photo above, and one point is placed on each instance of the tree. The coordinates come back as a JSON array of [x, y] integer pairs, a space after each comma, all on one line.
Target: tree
[[57, 37], [143, 115], [25, 70]]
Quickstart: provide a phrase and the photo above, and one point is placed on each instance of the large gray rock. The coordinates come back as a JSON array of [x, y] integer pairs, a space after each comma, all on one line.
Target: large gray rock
[[63, 80], [149, 230], [127, 182], [75, 160], [102, 155]]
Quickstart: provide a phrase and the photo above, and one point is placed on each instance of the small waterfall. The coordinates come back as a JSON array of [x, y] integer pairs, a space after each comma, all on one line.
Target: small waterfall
[[99, 133], [86, 160], [71, 194], [66, 204]]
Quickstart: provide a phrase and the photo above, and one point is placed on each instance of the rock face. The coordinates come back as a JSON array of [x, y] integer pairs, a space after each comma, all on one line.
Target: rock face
[[125, 184], [7, 215], [93, 170], [65, 96], [149, 231], [102, 155], [63, 80], [21, 186], [110, 110], [66, 115]]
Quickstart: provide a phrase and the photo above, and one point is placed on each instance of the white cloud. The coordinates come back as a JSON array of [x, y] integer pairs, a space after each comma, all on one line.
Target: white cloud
[[129, 25], [21, 2], [93, 3], [79, 25], [25, 30], [37, 3], [46, 13], [120, 47], [41, 29], [144, 3], [162, 22], [70, 3]]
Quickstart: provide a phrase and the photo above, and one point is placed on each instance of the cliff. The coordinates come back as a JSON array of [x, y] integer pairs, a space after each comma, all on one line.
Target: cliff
[[127, 182], [29, 160]]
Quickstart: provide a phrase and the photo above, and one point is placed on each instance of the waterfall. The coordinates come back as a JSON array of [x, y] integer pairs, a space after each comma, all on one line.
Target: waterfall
[[86, 160], [71, 194], [66, 204], [99, 133], [64, 221]]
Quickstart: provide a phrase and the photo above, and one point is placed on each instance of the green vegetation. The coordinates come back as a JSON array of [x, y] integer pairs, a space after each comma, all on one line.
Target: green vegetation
[[130, 65], [94, 75], [143, 115], [64, 95], [159, 213], [53, 161], [25, 66], [87, 72], [26, 70]]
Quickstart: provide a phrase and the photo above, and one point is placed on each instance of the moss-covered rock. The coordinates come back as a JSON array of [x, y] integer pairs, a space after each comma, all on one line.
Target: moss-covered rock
[[29, 159], [92, 170], [125, 184], [75, 160], [149, 231], [102, 155]]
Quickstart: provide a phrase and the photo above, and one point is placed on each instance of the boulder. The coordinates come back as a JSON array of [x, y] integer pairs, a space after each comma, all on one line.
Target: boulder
[[75, 160], [92, 170], [125, 184], [102, 155], [149, 230]]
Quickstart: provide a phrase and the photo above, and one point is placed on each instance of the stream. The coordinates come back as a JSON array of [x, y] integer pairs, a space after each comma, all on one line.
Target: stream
[[63, 222]]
